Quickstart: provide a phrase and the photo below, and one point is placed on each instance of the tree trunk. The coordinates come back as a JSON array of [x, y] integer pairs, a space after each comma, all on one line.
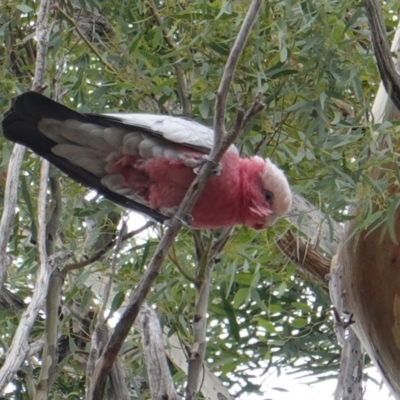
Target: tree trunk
[[371, 279]]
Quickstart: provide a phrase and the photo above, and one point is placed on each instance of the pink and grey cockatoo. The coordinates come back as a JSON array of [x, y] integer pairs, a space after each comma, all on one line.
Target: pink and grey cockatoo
[[146, 162]]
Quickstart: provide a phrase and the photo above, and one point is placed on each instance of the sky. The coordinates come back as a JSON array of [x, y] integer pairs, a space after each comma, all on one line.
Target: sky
[[301, 389]]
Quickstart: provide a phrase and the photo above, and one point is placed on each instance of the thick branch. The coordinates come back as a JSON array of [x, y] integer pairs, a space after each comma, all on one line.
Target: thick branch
[[389, 75], [160, 380], [10, 202], [20, 347], [42, 38]]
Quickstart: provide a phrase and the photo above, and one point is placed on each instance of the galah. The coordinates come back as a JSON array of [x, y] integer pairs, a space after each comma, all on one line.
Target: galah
[[147, 162]]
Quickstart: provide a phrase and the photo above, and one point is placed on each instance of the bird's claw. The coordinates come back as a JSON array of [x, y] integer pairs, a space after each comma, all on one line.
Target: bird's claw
[[187, 220], [196, 164]]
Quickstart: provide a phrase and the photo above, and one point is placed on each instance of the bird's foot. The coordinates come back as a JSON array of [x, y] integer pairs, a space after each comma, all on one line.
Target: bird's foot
[[197, 163]]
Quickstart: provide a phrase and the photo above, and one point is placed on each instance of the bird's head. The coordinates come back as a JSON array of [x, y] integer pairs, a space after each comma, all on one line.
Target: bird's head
[[271, 196]]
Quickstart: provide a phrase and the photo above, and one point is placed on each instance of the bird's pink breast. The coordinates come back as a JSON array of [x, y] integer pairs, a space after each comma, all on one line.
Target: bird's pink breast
[[163, 183]]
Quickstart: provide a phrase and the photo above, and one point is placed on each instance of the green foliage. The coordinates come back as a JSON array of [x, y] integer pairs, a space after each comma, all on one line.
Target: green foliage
[[312, 62]]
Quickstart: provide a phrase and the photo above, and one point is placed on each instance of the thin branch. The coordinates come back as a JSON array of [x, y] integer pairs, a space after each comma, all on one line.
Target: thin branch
[[50, 356], [256, 108], [107, 289], [71, 267], [221, 144], [48, 368], [230, 68], [198, 348], [182, 271], [180, 75], [55, 215], [101, 332], [389, 75]]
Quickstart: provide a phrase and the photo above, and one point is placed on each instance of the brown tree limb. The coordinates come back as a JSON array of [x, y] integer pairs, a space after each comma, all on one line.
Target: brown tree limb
[[306, 258], [221, 143]]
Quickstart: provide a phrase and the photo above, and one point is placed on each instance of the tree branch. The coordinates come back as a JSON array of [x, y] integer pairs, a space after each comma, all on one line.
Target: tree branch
[[389, 75], [42, 38], [10, 202], [100, 333], [70, 267], [221, 143], [230, 68], [20, 347], [198, 348], [305, 257]]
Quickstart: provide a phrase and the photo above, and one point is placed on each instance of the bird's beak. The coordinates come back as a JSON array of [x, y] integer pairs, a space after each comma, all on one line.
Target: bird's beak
[[267, 223], [271, 220]]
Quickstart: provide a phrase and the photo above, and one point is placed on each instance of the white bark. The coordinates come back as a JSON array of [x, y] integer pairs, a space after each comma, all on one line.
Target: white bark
[[19, 348]]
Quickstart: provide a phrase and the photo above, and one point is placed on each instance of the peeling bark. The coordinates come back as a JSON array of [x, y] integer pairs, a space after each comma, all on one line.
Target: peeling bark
[[372, 282]]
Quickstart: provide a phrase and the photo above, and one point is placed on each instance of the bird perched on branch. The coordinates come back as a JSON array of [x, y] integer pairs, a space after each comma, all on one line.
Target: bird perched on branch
[[147, 162]]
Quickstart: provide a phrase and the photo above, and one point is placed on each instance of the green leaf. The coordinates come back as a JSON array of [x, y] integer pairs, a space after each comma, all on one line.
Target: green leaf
[[24, 8], [299, 323]]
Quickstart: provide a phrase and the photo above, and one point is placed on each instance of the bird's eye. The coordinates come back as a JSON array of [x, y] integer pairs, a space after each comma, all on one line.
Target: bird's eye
[[268, 196]]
